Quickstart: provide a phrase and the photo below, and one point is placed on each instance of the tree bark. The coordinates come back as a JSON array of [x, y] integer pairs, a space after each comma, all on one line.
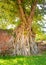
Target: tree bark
[[24, 42]]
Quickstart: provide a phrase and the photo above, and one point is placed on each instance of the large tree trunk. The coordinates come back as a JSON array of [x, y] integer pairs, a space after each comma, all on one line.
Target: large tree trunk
[[24, 43], [33, 45]]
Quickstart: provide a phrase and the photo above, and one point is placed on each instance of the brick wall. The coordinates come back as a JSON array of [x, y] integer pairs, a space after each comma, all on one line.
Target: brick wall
[[6, 43]]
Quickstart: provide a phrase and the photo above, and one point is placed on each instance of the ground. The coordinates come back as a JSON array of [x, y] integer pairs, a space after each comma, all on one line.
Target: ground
[[22, 60]]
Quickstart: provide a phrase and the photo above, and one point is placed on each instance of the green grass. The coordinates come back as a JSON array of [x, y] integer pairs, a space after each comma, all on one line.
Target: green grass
[[22, 60]]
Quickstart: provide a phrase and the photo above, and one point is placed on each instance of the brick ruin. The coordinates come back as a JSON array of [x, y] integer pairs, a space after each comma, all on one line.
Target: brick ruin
[[6, 43]]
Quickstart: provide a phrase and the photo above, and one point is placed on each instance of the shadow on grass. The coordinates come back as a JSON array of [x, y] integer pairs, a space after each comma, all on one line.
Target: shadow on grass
[[11, 57], [14, 57]]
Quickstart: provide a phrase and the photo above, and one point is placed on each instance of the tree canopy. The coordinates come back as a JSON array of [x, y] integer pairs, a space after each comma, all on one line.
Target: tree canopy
[[10, 16]]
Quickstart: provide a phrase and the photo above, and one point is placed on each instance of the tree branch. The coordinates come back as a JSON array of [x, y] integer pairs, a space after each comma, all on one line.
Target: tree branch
[[27, 20], [32, 11], [21, 11]]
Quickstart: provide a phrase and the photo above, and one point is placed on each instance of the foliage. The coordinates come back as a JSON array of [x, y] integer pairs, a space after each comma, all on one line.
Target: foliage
[[9, 13], [10, 16]]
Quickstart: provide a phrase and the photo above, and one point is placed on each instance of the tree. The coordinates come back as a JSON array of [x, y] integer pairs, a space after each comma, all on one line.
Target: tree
[[24, 40]]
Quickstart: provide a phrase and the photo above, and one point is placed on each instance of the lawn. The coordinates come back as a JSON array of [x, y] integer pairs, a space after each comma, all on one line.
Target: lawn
[[22, 60]]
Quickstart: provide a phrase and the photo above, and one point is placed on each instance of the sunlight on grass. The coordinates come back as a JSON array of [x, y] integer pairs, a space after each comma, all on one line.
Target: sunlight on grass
[[1, 61]]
